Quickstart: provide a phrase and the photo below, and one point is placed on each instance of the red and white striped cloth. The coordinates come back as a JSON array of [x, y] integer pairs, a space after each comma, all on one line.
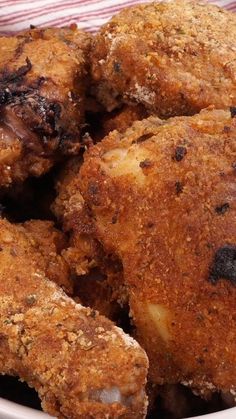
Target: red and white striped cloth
[[16, 15]]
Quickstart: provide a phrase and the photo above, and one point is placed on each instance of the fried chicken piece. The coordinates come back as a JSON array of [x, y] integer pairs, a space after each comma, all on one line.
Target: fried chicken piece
[[171, 187], [172, 57], [70, 211], [49, 243], [69, 201], [98, 277], [43, 75], [81, 364]]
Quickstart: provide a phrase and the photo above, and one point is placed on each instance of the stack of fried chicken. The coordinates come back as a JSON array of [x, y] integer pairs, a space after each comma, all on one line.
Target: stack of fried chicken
[[122, 148]]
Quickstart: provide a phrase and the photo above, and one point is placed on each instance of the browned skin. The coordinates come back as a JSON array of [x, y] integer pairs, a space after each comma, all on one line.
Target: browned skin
[[98, 277], [43, 75], [171, 187], [174, 58], [75, 358], [49, 243]]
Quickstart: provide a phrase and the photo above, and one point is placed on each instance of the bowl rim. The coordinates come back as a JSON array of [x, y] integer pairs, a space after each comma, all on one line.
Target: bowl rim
[[222, 414], [12, 410]]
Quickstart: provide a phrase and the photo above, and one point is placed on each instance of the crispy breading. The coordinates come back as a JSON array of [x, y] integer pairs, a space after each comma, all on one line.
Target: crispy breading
[[43, 76], [171, 187], [174, 57], [49, 243], [81, 364], [69, 202], [98, 278]]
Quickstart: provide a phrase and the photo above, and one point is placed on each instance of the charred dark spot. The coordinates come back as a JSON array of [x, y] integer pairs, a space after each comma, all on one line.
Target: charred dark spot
[[115, 217], [56, 107], [67, 141], [86, 139], [179, 187], [180, 152], [145, 163], [226, 129], [234, 165], [13, 252], [117, 67], [150, 224], [93, 188], [93, 314], [224, 265], [143, 138], [64, 139], [12, 90], [8, 76], [32, 26], [20, 48], [222, 209], [36, 84], [40, 115], [4, 96], [8, 96], [75, 97], [200, 317], [232, 111], [52, 112], [22, 71]]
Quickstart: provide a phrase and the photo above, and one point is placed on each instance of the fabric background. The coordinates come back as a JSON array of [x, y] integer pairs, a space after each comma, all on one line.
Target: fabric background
[[16, 15]]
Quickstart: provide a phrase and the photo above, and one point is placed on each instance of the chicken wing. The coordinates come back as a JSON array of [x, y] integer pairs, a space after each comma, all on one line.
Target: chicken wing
[[172, 57], [43, 75], [81, 364], [163, 201]]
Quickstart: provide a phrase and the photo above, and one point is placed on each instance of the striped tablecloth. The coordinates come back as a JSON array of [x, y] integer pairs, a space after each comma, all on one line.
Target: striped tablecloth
[[16, 15]]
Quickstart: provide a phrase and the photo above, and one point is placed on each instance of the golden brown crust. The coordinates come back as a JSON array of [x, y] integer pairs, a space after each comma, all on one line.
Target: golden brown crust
[[49, 243], [43, 75], [69, 202], [98, 278], [81, 365], [172, 57], [171, 185]]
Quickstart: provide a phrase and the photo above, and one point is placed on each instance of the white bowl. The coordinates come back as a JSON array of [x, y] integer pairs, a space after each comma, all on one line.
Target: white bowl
[[224, 414], [10, 410]]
